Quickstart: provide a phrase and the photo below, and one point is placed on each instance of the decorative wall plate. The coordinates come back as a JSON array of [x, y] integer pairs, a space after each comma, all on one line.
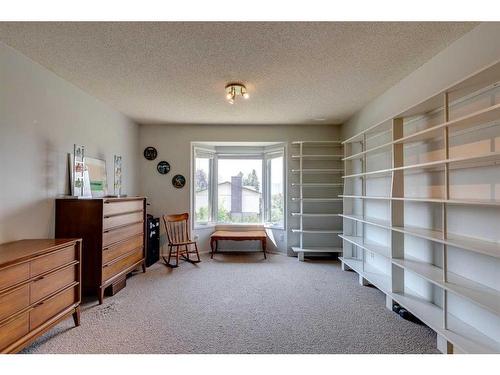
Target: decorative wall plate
[[163, 167], [178, 181], [150, 153]]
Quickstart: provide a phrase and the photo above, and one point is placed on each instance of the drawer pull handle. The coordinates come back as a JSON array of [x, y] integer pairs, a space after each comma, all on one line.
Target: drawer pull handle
[[40, 303], [39, 278], [106, 248], [106, 265]]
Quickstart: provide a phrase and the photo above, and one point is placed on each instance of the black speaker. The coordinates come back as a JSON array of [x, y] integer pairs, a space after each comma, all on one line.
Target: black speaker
[[152, 240]]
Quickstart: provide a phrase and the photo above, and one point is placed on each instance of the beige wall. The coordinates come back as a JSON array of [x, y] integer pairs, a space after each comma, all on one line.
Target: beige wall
[[173, 143], [41, 117], [475, 50]]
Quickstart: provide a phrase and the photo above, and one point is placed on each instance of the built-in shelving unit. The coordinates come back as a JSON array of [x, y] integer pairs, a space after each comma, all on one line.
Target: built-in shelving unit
[[315, 182], [421, 211]]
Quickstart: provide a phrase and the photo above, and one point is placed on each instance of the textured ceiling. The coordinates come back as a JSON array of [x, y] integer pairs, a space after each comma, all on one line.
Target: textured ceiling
[[174, 72]]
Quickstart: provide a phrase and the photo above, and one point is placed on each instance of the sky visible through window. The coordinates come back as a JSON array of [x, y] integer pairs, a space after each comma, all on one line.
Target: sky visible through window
[[231, 167]]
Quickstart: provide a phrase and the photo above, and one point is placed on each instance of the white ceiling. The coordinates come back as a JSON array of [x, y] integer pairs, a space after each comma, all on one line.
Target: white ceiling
[[174, 72]]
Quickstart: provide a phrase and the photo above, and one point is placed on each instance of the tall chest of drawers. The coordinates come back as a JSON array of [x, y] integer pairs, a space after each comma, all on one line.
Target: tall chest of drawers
[[39, 287], [112, 230]]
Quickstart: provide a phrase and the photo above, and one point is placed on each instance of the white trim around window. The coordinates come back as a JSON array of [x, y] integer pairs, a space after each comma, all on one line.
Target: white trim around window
[[219, 151]]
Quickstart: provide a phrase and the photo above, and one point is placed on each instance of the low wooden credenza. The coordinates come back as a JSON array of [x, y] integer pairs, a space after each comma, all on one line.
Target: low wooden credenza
[[112, 230], [39, 287]]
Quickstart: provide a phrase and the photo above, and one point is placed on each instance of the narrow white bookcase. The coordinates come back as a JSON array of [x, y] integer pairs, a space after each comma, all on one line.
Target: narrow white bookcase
[[421, 211], [315, 184]]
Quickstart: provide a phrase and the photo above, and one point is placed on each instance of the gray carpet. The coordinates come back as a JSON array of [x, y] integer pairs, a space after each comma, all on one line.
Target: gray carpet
[[240, 304]]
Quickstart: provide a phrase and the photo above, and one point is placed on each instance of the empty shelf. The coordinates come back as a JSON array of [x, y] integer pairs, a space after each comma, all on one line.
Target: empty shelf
[[372, 221], [361, 154], [477, 202], [318, 170], [317, 249], [480, 117], [314, 215], [479, 246], [318, 184], [476, 118], [385, 251], [317, 157], [491, 156], [318, 199], [479, 294], [460, 334], [379, 280], [336, 143], [317, 231]]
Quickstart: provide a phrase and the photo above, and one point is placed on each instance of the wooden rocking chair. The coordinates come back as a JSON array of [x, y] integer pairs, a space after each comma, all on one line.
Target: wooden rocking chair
[[179, 241]]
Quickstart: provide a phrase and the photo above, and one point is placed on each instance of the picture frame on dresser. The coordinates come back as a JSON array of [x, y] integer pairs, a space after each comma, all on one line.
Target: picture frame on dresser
[[97, 176]]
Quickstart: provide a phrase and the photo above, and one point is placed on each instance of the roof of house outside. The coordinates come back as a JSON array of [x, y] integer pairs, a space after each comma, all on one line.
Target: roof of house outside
[[250, 188]]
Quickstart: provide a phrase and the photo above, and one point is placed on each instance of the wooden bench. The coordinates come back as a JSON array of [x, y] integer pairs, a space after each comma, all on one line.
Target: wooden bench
[[253, 235]]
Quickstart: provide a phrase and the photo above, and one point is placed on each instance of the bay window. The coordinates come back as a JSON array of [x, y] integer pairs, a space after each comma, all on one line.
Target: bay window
[[238, 184]]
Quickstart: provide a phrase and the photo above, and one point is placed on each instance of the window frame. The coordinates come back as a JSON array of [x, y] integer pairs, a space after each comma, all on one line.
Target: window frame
[[269, 155], [214, 153], [212, 187]]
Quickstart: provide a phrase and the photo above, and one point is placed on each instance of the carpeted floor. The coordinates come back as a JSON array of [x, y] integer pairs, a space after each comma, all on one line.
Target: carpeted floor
[[240, 304]]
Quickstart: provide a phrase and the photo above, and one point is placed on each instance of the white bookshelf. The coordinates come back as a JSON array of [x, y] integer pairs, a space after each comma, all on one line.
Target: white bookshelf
[[315, 183], [421, 211]]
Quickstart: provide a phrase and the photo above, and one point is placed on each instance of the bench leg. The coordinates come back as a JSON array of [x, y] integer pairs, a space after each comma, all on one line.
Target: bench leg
[[264, 247]]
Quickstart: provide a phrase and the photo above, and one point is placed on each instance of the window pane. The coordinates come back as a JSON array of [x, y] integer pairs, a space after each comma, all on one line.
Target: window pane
[[202, 190], [276, 190], [239, 191]]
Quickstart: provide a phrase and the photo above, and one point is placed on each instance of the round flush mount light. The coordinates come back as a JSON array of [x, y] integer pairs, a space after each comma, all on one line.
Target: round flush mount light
[[234, 90]]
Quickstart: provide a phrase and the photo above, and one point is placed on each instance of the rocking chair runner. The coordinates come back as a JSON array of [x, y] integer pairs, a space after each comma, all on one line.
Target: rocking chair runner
[[179, 242]]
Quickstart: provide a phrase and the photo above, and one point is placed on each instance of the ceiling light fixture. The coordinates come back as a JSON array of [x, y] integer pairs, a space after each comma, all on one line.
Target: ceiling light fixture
[[235, 89]]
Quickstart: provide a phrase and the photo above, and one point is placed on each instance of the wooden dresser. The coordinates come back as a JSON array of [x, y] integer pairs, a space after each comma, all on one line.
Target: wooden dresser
[[39, 287], [112, 230]]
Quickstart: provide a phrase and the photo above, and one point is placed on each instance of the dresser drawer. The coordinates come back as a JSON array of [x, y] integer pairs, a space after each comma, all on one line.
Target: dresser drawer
[[14, 301], [53, 260], [15, 274], [117, 221], [49, 308], [115, 251], [113, 269], [113, 208], [13, 330], [115, 235], [53, 282]]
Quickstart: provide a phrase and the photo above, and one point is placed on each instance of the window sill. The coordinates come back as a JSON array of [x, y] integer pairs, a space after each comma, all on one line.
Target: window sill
[[204, 226]]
